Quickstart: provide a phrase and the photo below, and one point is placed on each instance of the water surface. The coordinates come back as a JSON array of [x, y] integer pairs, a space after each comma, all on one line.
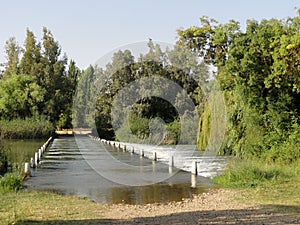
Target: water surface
[[20, 151], [65, 168]]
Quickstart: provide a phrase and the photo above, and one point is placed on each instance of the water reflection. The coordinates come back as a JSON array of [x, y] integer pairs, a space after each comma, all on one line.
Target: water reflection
[[20, 151]]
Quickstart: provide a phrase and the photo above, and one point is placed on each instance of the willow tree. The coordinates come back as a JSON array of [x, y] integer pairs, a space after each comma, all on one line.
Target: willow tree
[[259, 74]]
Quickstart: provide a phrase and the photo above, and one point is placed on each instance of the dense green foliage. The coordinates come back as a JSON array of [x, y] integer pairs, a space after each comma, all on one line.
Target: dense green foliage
[[152, 78], [256, 173], [10, 182], [27, 128], [258, 70], [37, 83]]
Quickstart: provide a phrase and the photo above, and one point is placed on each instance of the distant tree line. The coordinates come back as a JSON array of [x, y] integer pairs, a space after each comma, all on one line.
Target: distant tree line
[[175, 65]]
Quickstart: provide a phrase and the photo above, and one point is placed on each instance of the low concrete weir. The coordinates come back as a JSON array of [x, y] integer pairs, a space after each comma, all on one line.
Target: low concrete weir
[[184, 157], [65, 168]]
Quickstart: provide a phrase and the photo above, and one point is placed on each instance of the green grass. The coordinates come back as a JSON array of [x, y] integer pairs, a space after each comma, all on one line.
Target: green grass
[[255, 173], [38, 207], [273, 186], [10, 182]]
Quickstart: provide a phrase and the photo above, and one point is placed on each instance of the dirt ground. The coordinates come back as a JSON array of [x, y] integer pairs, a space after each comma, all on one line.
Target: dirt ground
[[214, 207]]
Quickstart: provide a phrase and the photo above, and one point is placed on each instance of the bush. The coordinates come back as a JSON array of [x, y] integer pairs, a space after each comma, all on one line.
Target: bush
[[285, 151], [28, 128], [251, 173], [11, 182]]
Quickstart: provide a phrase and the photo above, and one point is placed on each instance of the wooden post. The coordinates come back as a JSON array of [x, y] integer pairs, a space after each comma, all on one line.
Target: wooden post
[[124, 148], [132, 150], [194, 168], [27, 170]]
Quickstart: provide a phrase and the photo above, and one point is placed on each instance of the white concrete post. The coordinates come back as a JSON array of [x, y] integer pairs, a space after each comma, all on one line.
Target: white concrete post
[[193, 181], [194, 168], [27, 170], [36, 159], [141, 153], [171, 161], [40, 154], [32, 162], [171, 164], [154, 156]]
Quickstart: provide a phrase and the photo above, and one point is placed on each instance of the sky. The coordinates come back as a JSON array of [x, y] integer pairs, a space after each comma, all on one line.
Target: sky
[[88, 29]]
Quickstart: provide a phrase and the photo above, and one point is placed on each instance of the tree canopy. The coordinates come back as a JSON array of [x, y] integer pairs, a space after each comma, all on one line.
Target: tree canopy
[[258, 70], [36, 81]]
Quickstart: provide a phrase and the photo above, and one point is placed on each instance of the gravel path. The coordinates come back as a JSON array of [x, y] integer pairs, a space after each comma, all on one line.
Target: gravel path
[[215, 207]]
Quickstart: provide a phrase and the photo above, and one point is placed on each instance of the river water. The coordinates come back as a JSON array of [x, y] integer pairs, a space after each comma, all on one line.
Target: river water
[[88, 168]]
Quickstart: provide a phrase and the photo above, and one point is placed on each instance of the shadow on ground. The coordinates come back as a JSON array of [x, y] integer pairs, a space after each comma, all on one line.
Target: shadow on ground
[[268, 214]]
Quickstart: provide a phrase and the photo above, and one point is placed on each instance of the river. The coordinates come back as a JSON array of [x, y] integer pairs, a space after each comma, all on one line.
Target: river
[[68, 167]]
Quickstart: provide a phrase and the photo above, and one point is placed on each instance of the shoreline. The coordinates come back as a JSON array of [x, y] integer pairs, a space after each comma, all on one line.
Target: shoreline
[[218, 206]]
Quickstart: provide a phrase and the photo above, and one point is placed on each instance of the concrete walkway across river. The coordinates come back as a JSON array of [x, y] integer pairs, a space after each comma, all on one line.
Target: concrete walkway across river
[[84, 167]]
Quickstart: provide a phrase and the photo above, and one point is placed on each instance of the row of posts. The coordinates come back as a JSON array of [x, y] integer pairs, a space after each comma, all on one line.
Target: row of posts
[[34, 161], [125, 148]]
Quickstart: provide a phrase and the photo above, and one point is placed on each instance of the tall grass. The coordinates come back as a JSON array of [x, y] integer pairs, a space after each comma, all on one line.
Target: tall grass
[[253, 173], [28, 128], [11, 182]]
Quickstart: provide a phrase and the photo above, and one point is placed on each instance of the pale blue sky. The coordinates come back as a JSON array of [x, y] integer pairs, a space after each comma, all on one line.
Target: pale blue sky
[[88, 29]]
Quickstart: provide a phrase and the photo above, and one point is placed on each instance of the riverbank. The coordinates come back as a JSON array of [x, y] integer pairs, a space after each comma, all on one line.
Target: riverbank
[[218, 206], [29, 128]]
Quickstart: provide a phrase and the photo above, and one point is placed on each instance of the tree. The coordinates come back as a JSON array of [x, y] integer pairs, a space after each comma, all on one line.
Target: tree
[[39, 81], [149, 78], [259, 74], [12, 50], [85, 100], [20, 96], [31, 60], [54, 77]]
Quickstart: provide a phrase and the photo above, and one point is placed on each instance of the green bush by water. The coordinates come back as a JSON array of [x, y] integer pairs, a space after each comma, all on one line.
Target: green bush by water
[[253, 173], [28, 128], [10, 182]]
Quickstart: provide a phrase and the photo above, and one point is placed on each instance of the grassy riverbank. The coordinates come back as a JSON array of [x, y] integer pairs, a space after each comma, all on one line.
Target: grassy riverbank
[[276, 199], [32, 207], [267, 184], [249, 191], [219, 206]]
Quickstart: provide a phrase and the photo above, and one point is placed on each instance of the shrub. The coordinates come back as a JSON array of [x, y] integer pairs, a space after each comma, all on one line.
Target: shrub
[[11, 182], [28, 128], [250, 173]]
